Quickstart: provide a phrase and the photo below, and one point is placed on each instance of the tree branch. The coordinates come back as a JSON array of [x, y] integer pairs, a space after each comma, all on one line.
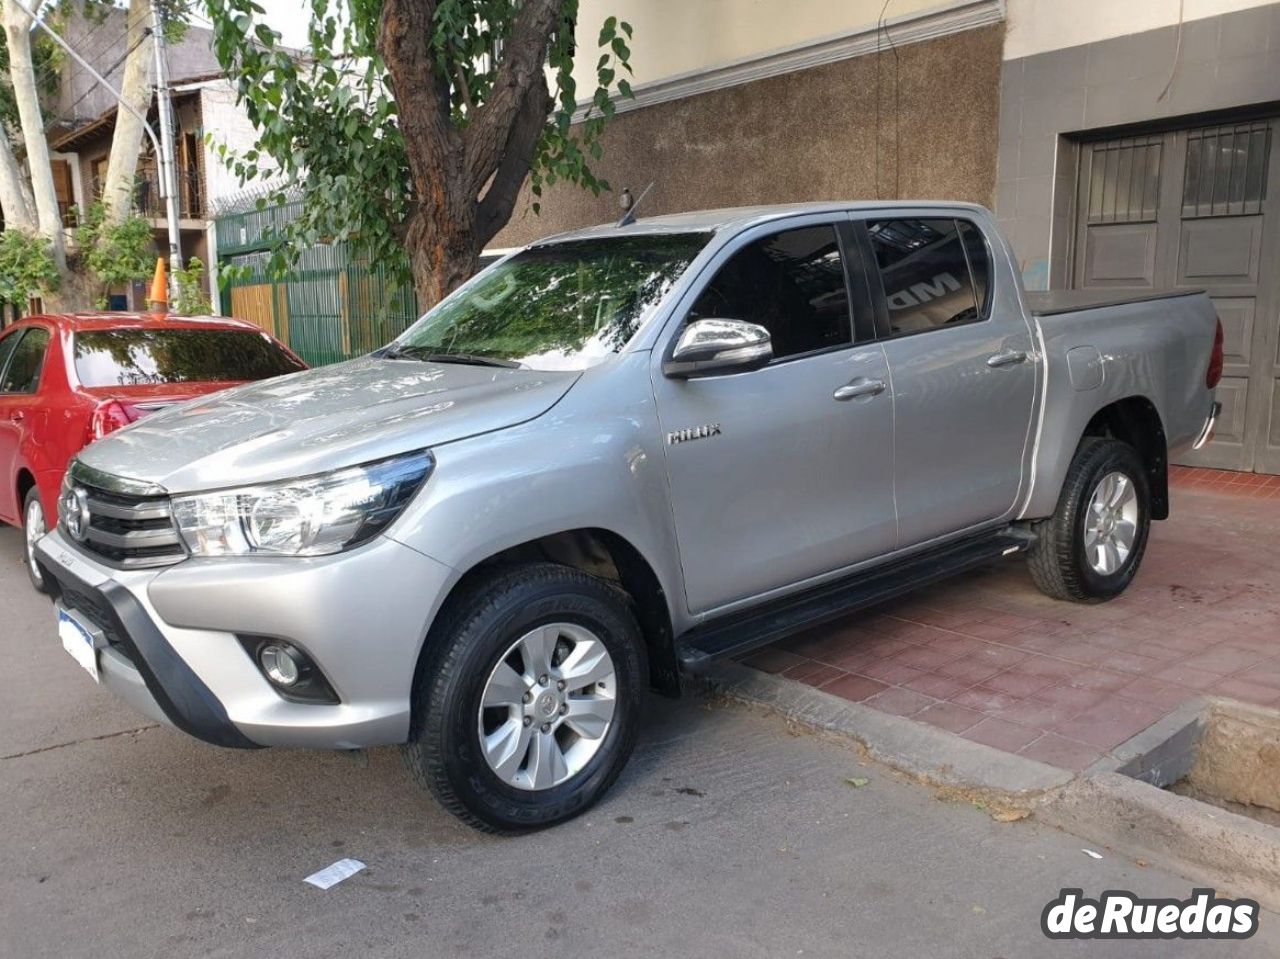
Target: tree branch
[[521, 67], [517, 157]]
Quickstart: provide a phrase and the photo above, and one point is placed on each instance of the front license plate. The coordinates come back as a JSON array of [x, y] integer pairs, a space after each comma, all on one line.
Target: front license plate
[[77, 639]]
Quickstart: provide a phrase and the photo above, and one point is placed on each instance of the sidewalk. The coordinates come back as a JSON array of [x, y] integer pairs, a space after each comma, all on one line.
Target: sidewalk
[[990, 658]]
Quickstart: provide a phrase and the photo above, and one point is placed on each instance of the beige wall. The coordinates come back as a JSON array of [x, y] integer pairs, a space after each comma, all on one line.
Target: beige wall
[[677, 37], [1036, 26], [807, 135]]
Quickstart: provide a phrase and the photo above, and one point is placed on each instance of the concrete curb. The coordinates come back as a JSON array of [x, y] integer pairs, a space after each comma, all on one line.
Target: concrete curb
[[929, 754], [1202, 842]]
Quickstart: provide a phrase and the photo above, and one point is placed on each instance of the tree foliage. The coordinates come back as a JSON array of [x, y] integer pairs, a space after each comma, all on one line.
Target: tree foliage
[[26, 267], [414, 123], [193, 298], [114, 253]]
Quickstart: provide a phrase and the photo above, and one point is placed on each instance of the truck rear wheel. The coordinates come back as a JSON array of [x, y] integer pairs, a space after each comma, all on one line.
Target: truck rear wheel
[[527, 705], [1090, 549]]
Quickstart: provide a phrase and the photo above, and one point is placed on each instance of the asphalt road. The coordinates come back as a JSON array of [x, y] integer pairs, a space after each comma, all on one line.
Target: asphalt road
[[729, 835]]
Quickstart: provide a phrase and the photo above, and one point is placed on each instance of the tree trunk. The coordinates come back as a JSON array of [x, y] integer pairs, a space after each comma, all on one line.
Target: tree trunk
[[442, 255], [22, 74], [126, 142], [15, 200]]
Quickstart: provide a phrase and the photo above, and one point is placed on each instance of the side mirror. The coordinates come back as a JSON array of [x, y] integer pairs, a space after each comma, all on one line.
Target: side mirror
[[718, 346]]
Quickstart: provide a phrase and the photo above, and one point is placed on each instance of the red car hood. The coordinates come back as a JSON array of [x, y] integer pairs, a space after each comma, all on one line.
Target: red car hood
[[138, 401]]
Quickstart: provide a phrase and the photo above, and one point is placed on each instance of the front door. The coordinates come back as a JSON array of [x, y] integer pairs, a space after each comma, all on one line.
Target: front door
[[964, 379], [786, 482]]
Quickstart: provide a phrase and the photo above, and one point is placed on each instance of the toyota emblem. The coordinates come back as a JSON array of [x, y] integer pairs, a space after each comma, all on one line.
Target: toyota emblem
[[75, 513]]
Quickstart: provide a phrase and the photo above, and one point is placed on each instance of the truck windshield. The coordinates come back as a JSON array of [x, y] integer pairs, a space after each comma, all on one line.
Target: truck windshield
[[138, 357], [565, 306]]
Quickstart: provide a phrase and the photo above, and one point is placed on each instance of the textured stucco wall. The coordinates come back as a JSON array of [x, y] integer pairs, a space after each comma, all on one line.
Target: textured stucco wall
[[808, 135]]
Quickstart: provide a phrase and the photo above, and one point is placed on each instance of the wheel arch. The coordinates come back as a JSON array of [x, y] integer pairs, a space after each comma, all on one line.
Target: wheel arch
[[25, 482], [1136, 421], [598, 552]]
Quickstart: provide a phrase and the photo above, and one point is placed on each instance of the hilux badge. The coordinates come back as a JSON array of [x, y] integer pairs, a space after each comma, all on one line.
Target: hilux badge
[[693, 433]]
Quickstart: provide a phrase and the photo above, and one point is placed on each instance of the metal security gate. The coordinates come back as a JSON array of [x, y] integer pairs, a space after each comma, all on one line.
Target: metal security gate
[[1198, 208]]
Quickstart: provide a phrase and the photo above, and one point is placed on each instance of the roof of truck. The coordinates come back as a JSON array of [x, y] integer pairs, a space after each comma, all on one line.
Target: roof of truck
[[737, 218]]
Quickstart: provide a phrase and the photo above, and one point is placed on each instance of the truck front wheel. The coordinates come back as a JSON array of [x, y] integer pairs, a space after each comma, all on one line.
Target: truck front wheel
[[1090, 549], [527, 704]]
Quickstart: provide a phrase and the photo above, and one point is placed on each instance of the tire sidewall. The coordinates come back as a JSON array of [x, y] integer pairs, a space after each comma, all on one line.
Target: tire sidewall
[[454, 717], [1110, 459]]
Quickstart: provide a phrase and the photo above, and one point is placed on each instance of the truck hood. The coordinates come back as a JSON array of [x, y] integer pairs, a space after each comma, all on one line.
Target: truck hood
[[320, 420]]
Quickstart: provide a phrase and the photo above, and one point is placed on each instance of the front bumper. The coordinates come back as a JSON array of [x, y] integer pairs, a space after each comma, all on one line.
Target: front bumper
[[174, 639]]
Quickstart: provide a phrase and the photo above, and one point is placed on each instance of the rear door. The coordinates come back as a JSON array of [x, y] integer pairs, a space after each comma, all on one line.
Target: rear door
[[788, 477], [19, 382], [962, 364]]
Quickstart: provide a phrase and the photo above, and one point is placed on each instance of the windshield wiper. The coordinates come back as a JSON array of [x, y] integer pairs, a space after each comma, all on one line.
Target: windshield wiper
[[427, 355]]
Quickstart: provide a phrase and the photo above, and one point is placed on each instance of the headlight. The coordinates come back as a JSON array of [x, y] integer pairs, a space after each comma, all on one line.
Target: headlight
[[307, 517]]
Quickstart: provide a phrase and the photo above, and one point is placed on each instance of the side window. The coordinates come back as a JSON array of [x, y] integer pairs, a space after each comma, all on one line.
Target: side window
[[23, 372], [925, 272], [792, 284], [7, 345]]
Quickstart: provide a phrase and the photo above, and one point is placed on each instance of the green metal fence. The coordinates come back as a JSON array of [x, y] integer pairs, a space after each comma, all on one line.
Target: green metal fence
[[329, 307]]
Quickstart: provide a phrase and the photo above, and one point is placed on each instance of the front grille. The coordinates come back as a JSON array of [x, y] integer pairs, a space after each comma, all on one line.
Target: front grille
[[131, 532]]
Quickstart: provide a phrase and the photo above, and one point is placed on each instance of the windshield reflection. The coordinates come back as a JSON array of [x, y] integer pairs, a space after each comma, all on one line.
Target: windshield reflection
[[564, 306]]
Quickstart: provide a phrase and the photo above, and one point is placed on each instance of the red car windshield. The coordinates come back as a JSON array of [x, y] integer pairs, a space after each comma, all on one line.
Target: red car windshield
[[137, 357]]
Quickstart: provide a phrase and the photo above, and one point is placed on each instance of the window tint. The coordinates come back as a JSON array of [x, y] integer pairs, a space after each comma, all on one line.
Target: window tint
[[23, 374], [134, 357], [926, 276], [6, 347], [792, 284]]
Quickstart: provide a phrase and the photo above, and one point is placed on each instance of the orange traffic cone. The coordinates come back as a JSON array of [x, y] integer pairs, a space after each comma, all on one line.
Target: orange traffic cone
[[159, 289]]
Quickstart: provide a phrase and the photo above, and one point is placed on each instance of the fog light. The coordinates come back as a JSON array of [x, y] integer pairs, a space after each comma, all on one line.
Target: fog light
[[280, 664]]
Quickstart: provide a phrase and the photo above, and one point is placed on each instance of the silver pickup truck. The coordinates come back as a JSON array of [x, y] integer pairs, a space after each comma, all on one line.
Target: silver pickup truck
[[614, 455]]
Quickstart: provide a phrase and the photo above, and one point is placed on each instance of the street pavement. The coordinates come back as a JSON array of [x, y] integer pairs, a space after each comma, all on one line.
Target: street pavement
[[728, 835]]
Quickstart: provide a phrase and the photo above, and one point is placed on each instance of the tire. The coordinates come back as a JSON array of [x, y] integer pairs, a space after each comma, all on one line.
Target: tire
[[484, 639], [1067, 560], [34, 525]]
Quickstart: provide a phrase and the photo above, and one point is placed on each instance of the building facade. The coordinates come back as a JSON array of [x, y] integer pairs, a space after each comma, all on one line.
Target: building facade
[[740, 102], [1137, 152]]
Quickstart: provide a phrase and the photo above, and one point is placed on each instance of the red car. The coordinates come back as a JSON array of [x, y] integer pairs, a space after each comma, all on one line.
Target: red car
[[68, 380]]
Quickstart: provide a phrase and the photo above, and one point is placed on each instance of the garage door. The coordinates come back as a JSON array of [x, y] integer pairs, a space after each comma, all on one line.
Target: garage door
[[1197, 208]]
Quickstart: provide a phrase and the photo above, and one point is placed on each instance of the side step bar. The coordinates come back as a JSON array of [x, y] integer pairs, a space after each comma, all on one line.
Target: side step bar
[[742, 632]]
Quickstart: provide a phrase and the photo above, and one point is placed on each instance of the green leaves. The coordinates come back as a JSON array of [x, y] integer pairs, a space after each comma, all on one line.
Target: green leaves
[[115, 254], [26, 267], [328, 124]]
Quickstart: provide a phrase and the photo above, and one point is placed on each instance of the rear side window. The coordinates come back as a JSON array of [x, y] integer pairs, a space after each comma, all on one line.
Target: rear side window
[[23, 372], [6, 347], [925, 269], [135, 357]]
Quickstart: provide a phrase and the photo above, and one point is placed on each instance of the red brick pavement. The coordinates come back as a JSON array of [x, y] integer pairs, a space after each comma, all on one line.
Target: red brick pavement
[[988, 657]]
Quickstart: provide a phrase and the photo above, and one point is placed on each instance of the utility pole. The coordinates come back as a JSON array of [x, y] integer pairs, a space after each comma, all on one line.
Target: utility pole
[[165, 161]]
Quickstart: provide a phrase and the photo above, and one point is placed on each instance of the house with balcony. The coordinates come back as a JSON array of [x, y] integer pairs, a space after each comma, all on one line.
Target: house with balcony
[[80, 141]]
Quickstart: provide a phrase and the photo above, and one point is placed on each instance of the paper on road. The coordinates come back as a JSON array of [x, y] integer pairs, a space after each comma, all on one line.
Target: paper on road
[[332, 875]]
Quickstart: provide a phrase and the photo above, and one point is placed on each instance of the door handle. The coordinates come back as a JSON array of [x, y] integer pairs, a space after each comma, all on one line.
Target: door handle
[[17, 416], [852, 391], [1006, 358]]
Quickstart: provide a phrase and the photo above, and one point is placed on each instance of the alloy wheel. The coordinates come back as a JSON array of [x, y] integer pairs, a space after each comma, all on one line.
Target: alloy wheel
[[34, 527], [547, 706], [1111, 523]]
